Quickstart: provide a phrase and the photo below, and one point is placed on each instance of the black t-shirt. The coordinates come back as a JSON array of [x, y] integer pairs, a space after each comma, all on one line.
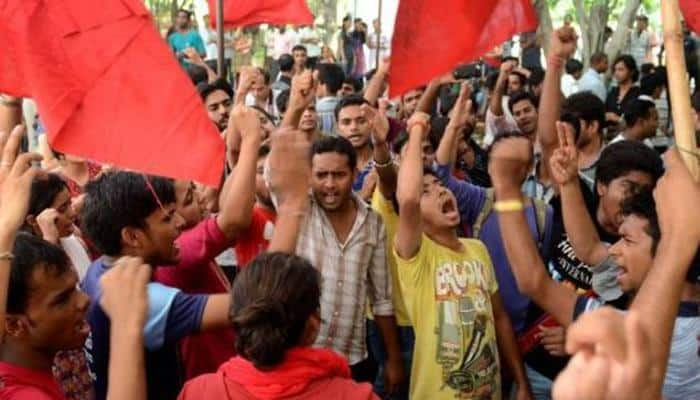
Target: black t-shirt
[[564, 267], [614, 105]]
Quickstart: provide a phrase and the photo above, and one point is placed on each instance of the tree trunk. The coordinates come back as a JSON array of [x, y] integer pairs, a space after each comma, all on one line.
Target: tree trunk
[[621, 35], [329, 8], [592, 27], [174, 6], [544, 31]]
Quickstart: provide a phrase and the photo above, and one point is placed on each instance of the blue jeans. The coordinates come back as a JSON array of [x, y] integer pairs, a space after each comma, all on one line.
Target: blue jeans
[[375, 343], [541, 385]]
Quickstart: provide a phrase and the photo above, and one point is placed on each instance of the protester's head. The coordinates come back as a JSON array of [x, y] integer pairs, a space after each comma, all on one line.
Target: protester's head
[[282, 102], [590, 111], [536, 80], [333, 164], [127, 213], [330, 78], [438, 205], [514, 60], [267, 122], [275, 306], [217, 99], [428, 145], [639, 237], [309, 119], [350, 86], [347, 23], [182, 19], [351, 122], [624, 168], [196, 73], [599, 62], [653, 85], [647, 69], [188, 203], [409, 101], [641, 117], [261, 89], [523, 106], [300, 57], [375, 25], [625, 69], [45, 310], [642, 22], [516, 82], [286, 63], [262, 193], [574, 68], [50, 192]]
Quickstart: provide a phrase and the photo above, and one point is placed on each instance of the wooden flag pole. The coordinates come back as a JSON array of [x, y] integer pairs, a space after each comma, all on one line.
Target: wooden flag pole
[[220, 36], [379, 37], [678, 85]]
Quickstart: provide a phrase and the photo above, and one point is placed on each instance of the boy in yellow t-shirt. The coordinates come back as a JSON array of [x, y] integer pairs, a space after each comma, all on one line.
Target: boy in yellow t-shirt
[[449, 288]]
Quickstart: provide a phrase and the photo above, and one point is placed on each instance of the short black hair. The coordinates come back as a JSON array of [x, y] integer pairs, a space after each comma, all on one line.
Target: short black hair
[[637, 109], [641, 204], [573, 120], [647, 69], [286, 62], [598, 57], [586, 106], [30, 254], [121, 199], [651, 82], [630, 64], [282, 101], [264, 150], [335, 144], [510, 58], [182, 10], [44, 191], [521, 77], [519, 96], [623, 157], [400, 142], [205, 88], [573, 66], [347, 101], [536, 77], [196, 73], [298, 47], [332, 76], [356, 83]]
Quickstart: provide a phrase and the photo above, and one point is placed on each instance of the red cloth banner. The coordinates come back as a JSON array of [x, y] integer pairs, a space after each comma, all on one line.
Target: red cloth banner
[[107, 86], [239, 13], [691, 13], [431, 38]]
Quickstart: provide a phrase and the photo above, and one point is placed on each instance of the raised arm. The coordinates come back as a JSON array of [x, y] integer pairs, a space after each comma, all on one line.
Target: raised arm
[[461, 115], [238, 194], [16, 176], [509, 159], [10, 112], [657, 301], [301, 94], [196, 59], [374, 88], [289, 173], [410, 189], [125, 301], [383, 162], [562, 46], [577, 221], [496, 100]]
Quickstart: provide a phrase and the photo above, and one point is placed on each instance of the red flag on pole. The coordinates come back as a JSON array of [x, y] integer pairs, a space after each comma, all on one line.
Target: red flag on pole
[[251, 12], [691, 13], [431, 38], [107, 86]]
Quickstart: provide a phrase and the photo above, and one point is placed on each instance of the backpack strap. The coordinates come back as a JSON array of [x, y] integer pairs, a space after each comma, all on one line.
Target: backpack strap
[[483, 214]]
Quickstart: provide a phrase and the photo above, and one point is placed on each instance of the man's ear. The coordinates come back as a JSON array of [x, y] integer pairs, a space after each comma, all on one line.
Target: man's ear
[[15, 326], [132, 237]]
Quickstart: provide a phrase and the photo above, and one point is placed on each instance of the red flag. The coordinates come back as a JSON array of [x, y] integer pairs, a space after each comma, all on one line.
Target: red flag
[[251, 12], [107, 86], [431, 38], [691, 13]]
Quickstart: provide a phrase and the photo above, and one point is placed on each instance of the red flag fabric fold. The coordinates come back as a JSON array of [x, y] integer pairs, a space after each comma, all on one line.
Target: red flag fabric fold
[[107, 87], [691, 13], [239, 13], [430, 38]]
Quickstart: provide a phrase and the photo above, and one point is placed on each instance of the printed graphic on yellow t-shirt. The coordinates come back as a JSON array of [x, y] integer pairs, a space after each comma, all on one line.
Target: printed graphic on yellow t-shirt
[[448, 299]]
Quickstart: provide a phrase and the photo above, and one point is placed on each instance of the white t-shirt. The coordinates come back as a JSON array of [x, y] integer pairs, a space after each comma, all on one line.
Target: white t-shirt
[[201, 12], [312, 50], [76, 252]]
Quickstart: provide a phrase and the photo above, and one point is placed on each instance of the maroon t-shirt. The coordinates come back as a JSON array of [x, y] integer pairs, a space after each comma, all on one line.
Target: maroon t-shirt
[[21, 383], [198, 273]]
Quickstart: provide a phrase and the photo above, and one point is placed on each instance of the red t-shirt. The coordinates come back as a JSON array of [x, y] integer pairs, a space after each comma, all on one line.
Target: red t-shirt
[[198, 273], [21, 383], [257, 238]]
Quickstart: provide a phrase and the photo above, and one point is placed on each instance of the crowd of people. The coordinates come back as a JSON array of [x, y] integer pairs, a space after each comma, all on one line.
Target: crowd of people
[[516, 236]]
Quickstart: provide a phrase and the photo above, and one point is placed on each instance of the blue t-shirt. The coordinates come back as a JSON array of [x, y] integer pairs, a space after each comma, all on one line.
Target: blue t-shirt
[[172, 315], [179, 41], [470, 201]]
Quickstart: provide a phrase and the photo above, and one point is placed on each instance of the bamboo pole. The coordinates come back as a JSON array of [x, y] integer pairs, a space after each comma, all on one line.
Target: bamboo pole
[[220, 36], [678, 85], [377, 54]]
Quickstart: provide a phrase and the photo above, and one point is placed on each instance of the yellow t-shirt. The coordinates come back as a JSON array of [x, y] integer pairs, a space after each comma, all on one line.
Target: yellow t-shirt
[[448, 299], [385, 209]]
